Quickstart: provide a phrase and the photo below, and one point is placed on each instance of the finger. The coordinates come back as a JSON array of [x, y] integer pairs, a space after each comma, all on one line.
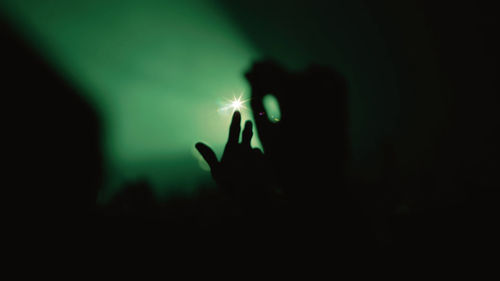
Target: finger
[[247, 134], [234, 129], [208, 154]]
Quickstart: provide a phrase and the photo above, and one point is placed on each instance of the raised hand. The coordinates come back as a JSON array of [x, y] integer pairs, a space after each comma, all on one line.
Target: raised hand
[[241, 170]]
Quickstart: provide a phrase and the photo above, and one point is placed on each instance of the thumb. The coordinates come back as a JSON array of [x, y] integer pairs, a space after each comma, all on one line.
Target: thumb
[[208, 154]]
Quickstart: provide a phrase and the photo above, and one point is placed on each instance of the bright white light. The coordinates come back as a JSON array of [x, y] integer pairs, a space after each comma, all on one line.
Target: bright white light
[[237, 103]]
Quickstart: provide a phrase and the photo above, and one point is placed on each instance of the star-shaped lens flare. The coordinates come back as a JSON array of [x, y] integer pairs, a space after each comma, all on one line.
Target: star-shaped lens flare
[[236, 104]]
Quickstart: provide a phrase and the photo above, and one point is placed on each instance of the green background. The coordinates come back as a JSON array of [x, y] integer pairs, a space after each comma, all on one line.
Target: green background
[[157, 71]]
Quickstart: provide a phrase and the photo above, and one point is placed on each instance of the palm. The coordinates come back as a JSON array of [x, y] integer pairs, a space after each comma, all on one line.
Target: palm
[[241, 168]]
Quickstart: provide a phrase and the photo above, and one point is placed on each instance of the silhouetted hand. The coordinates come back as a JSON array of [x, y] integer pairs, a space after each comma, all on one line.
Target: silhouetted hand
[[241, 170]]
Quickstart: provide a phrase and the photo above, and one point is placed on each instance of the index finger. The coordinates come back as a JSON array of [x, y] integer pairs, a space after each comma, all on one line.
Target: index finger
[[234, 129]]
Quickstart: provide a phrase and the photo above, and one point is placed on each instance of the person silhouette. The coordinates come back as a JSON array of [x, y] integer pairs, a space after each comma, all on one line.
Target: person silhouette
[[308, 146], [305, 156]]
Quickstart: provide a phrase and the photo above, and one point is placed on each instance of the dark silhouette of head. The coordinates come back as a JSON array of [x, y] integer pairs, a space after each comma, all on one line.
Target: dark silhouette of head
[[53, 135], [308, 146]]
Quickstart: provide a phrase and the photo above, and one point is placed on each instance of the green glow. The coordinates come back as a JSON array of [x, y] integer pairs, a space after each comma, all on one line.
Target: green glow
[[155, 70], [272, 107]]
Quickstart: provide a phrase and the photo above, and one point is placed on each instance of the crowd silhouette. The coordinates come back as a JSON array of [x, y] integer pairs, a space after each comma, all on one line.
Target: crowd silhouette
[[293, 194]]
